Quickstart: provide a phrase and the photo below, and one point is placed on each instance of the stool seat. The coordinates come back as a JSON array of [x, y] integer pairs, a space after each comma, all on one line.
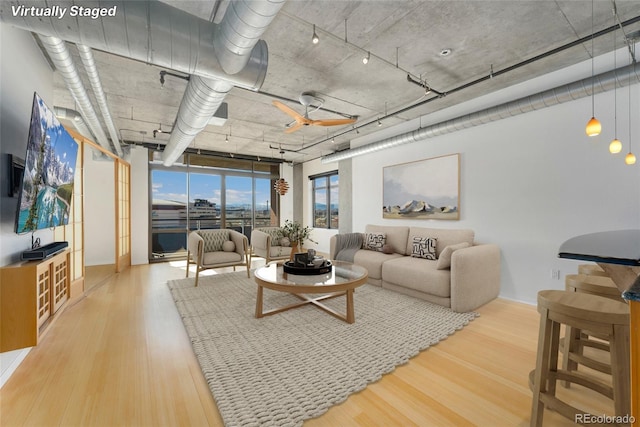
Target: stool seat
[[596, 315], [596, 285], [591, 270], [584, 307]]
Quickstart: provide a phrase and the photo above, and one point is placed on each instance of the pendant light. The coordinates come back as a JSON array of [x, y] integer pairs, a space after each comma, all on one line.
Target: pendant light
[[630, 158], [593, 126], [615, 146]]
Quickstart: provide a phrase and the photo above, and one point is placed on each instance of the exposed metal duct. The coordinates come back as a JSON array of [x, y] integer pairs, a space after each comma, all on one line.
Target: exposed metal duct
[[76, 119], [94, 79], [558, 95], [243, 24], [148, 31], [239, 31], [61, 57], [201, 100]]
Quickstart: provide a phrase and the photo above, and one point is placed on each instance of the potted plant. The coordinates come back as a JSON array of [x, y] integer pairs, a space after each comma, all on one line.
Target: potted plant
[[297, 235]]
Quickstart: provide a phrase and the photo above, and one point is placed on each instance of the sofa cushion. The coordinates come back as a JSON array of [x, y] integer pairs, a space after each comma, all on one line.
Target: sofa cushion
[[374, 241], [220, 257], [372, 261], [445, 237], [444, 261], [424, 247], [417, 274], [396, 236], [213, 239], [229, 246]]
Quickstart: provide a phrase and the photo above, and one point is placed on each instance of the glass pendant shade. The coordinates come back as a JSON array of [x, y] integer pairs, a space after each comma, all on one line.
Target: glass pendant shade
[[630, 159], [593, 127], [615, 146]]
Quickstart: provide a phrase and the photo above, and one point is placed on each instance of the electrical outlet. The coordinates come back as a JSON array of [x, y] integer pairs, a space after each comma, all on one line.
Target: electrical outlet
[[555, 274]]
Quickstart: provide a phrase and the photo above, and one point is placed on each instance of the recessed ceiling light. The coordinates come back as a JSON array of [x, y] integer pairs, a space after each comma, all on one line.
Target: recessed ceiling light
[[445, 52]]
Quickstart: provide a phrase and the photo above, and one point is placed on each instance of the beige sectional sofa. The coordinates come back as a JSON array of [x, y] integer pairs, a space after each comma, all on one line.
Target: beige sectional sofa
[[471, 280]]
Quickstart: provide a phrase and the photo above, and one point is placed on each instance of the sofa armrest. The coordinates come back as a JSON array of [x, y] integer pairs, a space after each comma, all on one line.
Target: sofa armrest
[[475, 277], [240, 240], [195, 244]]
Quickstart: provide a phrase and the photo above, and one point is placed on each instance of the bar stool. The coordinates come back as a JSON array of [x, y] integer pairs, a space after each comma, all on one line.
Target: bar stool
[[598, 316], [591, 270], [575, 341]]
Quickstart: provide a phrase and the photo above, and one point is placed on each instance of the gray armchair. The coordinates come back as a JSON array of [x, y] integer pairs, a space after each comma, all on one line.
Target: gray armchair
[[217, 248], [268, 243]]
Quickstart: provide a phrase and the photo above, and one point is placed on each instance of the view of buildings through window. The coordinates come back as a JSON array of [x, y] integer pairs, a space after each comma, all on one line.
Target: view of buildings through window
[[325, 200], [190, 198]]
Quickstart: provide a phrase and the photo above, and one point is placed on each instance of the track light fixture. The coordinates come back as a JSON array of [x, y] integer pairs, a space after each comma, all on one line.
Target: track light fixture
[[366, 59], [315, 39]]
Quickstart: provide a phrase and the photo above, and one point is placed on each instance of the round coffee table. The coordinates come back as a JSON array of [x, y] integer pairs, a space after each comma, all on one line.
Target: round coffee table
[[342, 280]]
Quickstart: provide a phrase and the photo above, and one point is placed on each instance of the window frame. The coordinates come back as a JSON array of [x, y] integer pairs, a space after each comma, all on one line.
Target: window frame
[[327, 187]]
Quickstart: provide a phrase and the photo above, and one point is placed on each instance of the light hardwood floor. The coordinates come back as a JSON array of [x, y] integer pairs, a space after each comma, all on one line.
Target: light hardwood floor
[[120, 356]]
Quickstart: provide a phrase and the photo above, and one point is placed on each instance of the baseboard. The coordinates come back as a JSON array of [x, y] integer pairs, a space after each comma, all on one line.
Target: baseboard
[[13, 365]]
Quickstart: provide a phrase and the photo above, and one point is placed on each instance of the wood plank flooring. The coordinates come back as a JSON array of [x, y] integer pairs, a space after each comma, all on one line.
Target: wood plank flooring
[[121, 357]]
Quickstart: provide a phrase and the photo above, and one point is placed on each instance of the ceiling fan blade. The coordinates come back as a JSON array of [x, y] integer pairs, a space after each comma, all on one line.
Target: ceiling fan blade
[[333, 122], [290, 111], [294, 128]]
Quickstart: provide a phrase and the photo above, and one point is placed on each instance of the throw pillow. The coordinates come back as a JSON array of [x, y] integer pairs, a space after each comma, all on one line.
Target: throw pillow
[[229, 246], [374, 241], [285, 242], [444, 261], [424, 247], [387, 249]]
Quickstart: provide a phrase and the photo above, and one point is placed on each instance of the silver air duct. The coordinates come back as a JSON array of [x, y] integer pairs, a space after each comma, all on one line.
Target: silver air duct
[[94, 79], [201, 100], [61, 57], [149, 31], [243, 24], [76, 119], [561, 94]]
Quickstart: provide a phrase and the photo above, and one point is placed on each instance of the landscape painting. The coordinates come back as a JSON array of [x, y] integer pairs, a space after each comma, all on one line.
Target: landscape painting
[[424, 189]]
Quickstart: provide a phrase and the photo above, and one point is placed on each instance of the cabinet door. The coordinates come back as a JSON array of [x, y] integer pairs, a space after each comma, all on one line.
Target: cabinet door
[[44, 293], [60, 270]]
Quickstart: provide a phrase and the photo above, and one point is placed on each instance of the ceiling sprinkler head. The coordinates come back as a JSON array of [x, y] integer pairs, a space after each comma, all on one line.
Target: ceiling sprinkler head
[[445, 52]]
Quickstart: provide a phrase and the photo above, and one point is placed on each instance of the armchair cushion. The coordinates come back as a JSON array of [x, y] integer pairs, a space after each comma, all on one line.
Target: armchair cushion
[[213, 241], [229, 246], [220, 257]]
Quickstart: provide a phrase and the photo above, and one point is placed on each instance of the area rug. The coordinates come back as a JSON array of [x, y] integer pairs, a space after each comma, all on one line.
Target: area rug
[[283, 369]]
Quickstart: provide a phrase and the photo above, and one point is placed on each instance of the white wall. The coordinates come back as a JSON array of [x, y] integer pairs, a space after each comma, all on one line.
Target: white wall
[[23, 70], [139, 160], [528, 183], [99, 211]]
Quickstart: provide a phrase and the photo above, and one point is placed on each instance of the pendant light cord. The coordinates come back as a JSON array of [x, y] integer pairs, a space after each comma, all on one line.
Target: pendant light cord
[[593, 102]]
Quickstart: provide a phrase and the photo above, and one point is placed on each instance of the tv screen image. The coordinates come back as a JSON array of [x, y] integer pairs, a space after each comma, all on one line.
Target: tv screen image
[[47, 185]]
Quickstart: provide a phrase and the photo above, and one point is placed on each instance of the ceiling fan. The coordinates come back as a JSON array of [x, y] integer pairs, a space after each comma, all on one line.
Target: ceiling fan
[[309, 99]]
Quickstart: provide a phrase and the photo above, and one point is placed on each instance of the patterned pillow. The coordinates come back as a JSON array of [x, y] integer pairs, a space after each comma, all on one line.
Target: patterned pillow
[[424, 247], [374, 241]]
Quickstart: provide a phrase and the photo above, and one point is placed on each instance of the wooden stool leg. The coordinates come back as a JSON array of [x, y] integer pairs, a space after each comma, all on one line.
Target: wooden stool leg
[[620, 374], [571, 345], [542, 368], [554, 347]]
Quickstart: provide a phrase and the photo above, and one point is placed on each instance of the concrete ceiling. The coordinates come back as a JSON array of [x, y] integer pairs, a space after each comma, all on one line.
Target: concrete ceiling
[[402, 36]]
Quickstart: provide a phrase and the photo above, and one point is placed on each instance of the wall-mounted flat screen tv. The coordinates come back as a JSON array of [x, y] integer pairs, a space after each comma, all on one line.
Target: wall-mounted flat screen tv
[[47, 185]]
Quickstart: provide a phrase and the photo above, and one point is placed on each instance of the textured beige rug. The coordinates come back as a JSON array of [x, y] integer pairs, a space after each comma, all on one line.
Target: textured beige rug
[[283, 369]]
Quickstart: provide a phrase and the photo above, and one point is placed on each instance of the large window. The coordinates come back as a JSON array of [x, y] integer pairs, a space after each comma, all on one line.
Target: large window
[[325, 200], [207, 192]]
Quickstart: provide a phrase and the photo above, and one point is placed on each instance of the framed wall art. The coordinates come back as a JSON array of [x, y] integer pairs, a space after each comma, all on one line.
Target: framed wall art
[[424, 189]]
